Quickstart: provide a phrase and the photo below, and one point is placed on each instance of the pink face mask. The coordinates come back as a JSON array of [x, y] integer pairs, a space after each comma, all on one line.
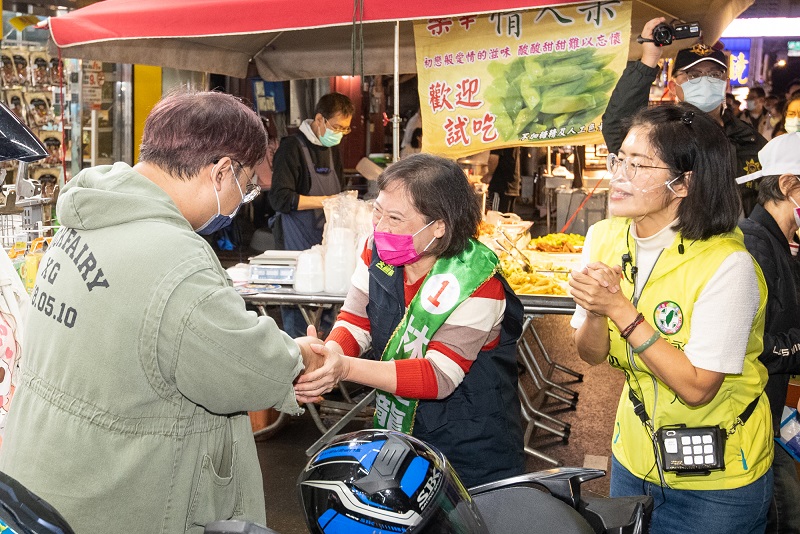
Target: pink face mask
[[398, 249]]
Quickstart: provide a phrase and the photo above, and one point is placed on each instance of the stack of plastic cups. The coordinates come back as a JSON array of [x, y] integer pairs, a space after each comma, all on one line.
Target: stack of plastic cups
[[340, 260]]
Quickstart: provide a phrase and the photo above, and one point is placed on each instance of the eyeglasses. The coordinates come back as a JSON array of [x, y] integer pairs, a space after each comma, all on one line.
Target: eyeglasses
[[338, 129], [392, 221], [695, 76], [629, 168], [251, 191]]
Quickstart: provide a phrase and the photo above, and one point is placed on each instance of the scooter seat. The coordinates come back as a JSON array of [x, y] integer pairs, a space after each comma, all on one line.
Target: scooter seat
[[527, 510]]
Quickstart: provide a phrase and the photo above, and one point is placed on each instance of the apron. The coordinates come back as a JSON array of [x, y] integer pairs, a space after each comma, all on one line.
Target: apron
[[302, 229]]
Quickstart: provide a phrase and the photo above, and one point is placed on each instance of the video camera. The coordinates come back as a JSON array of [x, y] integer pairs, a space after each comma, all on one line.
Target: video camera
[[664, 33]]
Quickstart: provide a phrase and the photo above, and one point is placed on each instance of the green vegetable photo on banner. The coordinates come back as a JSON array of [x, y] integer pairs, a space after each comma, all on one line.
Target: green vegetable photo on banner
[[536, 78]]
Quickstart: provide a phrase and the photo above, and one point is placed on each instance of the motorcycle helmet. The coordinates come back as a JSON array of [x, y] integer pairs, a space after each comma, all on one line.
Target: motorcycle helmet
[[385, 482]]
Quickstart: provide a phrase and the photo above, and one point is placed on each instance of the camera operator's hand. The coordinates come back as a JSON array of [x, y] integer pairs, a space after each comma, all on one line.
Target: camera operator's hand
[[650, 52]]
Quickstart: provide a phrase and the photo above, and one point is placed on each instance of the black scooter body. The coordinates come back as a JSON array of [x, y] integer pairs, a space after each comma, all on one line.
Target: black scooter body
[[534, 503]]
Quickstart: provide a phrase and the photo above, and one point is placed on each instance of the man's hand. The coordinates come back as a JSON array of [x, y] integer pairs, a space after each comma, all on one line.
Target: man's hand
[[650, 52], [336, 367], [311, 359]]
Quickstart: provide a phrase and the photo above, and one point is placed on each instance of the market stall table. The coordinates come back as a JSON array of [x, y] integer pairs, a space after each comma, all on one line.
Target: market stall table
[[312, 305]]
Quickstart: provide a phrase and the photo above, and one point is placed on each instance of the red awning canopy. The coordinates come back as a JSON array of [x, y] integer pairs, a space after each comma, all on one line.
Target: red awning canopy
[[287, 39]]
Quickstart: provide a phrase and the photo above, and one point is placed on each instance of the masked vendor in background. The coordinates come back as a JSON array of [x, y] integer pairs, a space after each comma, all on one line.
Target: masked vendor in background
[[307, 169], [429, 299], [699, 77], [142, 359]]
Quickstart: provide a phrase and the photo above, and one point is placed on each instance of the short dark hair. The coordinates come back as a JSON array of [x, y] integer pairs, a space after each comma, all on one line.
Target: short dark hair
[[333, 103], [769, 189], [439, 190], [795, 96], [756, 92], [688, 140], [187, 130], [791, 84]]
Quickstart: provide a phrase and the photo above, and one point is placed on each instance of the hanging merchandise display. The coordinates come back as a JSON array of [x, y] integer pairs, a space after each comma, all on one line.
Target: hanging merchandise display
[[29, 79]]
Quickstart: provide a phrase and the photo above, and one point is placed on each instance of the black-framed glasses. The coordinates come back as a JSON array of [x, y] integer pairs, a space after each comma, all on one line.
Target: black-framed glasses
[[252, 190], [614, 164], [338, 129], [695, 76]]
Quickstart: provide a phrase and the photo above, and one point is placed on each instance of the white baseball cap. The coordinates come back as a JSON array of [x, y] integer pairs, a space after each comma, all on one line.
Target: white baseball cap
[[779, 156]]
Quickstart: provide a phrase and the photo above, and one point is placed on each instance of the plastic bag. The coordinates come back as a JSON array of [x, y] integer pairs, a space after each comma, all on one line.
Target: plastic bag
[[345, 210], [348, 224], [790, 432]]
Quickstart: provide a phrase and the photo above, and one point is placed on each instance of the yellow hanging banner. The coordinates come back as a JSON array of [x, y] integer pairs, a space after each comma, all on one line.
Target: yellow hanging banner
[[526, 78]]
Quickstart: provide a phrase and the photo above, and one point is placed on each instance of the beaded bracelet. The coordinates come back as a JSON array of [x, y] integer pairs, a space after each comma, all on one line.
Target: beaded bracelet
[[646, 345], [631, 327]]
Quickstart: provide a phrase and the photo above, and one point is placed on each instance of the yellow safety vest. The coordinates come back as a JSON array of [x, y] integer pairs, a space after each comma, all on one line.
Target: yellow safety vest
[[667, 301]]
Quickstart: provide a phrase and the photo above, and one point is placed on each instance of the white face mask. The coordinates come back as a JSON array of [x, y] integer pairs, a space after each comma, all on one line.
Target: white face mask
[[792, 124], [706, 93], [796, 210]]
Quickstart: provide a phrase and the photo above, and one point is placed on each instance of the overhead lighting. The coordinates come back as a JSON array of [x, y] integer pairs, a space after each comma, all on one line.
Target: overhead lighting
[[766, 27]]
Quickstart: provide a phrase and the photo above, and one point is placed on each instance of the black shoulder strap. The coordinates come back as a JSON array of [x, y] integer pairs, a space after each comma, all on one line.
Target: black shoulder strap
[[641, 412]]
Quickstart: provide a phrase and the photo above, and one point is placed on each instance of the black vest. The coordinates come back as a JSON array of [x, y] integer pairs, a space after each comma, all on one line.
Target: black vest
[[478, 427]]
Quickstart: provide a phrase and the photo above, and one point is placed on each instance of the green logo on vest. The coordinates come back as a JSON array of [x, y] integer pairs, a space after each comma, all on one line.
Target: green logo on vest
[[668, 317], [388, 270]]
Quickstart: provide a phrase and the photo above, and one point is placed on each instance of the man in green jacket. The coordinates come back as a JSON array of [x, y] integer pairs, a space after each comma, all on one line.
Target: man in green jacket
[[141, 361]]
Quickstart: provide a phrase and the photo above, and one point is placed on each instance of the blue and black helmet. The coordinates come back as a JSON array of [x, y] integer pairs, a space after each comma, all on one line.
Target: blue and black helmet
[[385, 482]]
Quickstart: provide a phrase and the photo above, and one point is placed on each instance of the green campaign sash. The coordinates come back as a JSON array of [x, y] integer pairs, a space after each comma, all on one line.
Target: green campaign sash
[[449, 283]]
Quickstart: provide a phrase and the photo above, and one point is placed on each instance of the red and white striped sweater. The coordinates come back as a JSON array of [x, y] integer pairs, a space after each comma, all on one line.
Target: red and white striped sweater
[[473, 326]]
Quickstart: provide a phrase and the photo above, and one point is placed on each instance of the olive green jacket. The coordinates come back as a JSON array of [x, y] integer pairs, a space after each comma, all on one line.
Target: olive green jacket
[[139, 361]]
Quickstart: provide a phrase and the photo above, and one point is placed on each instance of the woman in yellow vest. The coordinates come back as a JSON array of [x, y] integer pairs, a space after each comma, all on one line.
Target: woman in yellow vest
[[669, 295]]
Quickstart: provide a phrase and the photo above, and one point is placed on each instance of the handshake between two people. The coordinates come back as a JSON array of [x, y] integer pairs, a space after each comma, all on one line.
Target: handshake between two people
[[325, 366]]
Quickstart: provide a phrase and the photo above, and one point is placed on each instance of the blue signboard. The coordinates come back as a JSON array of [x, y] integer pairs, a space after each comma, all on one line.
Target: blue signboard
[[739, 61]]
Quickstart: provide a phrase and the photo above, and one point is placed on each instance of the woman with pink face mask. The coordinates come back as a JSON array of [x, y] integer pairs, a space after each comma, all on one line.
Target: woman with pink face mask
[[428, 299], [770, 236]]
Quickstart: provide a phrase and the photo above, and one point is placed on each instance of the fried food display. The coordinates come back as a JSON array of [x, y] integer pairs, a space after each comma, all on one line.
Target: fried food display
[[531, 282], [557, 243]]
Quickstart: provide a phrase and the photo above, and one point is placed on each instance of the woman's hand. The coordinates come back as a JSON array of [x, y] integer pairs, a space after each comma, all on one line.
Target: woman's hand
[[596, 288], [311, 385], [606, 276]]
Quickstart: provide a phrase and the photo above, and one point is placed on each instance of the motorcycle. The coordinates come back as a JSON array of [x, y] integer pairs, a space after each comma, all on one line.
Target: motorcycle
[[377, 481], [382, 482], [536, 503]]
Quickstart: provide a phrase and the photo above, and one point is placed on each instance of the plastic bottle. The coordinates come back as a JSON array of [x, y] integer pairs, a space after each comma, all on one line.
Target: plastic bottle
[[18, 261], [32, 260]]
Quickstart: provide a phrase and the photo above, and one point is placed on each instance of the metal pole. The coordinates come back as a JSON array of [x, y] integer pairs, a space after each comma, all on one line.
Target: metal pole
[[340, 424], [396, 116]]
